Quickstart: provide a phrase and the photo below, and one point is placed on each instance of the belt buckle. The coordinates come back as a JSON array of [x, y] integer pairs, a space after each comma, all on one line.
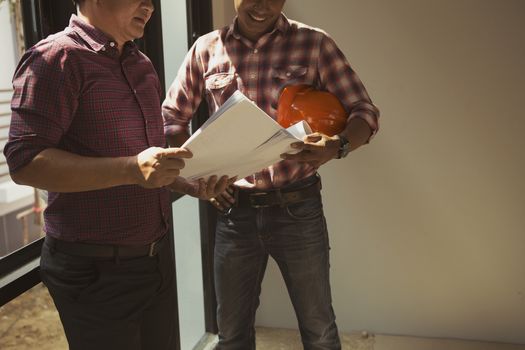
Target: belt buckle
[[253, 201], [152, 248]]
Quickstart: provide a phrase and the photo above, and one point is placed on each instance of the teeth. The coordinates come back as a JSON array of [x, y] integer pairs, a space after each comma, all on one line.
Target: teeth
[[258, 19]]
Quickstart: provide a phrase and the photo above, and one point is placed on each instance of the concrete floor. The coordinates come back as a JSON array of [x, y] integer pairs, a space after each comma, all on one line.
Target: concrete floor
[[278, 339], [31, 322]]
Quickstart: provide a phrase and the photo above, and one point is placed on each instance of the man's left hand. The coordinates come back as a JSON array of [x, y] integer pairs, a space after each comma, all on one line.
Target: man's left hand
[[316, 149]]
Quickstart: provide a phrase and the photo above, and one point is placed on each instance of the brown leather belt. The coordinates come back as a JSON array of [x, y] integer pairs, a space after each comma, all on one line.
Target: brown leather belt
[[105, 250], [277, 197]]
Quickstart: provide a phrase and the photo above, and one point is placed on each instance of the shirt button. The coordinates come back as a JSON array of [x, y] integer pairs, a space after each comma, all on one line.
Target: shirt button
[[112, 44], [103, 49], [253, 76], [135, 91], [259, 182], [255, 51], [288, 74]]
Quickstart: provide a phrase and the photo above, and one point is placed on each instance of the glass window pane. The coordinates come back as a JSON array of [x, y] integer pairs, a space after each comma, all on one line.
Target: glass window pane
[[20, 206]]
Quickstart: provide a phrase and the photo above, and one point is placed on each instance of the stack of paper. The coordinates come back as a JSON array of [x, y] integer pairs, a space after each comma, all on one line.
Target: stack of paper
[[238, 140]]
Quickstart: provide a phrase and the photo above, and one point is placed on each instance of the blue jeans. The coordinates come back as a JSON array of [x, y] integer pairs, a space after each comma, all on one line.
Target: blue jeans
[[297, 238]]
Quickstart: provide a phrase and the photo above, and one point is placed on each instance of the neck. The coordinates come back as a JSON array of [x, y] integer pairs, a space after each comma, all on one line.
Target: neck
[[89, 17], [254, 37]]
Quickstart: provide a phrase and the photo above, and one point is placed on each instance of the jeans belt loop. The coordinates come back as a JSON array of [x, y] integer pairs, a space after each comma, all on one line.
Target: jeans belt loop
[[152, 248]]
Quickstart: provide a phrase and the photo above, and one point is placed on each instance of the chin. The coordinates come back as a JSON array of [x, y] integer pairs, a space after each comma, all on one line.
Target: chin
[[136, 34]]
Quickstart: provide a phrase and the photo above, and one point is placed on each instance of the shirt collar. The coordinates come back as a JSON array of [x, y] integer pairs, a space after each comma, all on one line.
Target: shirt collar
[[282, 25], [94, 37]]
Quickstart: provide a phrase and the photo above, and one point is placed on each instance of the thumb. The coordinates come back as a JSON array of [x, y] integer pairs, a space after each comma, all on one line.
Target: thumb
[[174, 152]]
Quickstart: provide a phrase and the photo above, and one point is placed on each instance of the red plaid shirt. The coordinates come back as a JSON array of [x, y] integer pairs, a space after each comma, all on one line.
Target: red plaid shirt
[[72, 91], [223, 61]]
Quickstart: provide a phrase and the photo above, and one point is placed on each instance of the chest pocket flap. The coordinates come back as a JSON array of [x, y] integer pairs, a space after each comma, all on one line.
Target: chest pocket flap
[[290, 72]]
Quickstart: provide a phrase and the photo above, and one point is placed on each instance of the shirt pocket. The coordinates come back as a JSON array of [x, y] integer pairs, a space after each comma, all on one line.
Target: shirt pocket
[[219, 87], [288, 75]]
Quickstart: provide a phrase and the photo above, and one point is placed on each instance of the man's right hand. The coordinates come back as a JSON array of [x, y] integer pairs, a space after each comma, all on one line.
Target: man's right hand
[[158, 167]]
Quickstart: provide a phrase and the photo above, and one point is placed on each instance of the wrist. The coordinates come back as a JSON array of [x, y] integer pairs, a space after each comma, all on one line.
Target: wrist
[[344, 147], [131, 173], [334, 145]]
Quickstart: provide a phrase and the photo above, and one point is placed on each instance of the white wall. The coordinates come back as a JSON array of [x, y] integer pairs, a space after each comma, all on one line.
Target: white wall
[[185, 210], [189, 276], [175, 34], [427, 222], [223, 12]]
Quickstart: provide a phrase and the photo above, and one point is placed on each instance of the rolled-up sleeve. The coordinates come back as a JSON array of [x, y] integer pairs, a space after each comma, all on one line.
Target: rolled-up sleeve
[[184, 95], [44, 102], [338, 77]]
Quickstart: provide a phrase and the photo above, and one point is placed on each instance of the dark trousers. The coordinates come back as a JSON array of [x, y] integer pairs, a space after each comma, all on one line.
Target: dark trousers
[[297, 238], [107, 304]]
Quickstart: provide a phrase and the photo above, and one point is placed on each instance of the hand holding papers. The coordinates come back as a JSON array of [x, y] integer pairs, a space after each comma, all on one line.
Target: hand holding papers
[[239, 140]]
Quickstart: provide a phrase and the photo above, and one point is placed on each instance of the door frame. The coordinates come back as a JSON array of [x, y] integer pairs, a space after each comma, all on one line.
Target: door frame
[[200, 21]]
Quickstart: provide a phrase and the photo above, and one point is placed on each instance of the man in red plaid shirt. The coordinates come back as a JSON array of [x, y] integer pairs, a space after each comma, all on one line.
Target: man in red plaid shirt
[[87, 127], [276, 212]]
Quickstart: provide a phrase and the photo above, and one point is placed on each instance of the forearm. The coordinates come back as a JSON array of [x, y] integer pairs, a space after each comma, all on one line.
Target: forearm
[[60, 171], [357, 132]]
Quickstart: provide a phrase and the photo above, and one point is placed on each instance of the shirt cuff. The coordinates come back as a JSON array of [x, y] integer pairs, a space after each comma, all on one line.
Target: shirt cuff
[[20, 154]]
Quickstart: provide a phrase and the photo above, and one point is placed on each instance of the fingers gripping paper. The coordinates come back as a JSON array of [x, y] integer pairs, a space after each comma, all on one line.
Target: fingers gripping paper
[[238, 140]]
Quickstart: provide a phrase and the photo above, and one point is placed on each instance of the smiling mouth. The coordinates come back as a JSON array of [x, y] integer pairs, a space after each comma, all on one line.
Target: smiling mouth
[[257, 18]]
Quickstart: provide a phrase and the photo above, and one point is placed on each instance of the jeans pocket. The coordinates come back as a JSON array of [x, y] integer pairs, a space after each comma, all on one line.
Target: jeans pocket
[[307, 210]]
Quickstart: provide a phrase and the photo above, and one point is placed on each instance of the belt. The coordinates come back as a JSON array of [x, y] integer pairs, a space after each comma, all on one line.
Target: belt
[[105, 250], [277, 197]]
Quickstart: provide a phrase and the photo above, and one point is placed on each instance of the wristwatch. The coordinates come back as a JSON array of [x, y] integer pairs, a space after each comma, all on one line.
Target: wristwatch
[[344, 147]]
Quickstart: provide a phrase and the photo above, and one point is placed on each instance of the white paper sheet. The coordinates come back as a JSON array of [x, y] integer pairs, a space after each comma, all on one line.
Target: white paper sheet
[[238, 140]]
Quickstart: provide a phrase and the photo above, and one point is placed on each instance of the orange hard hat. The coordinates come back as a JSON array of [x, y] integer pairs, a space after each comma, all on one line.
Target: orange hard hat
[[320, 109]]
